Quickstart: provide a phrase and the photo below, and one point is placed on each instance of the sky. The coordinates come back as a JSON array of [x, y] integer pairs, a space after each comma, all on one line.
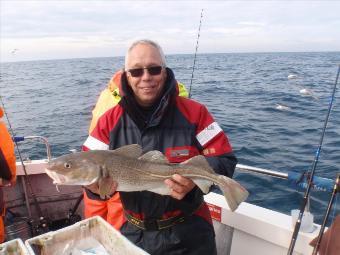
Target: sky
[[46, 29]]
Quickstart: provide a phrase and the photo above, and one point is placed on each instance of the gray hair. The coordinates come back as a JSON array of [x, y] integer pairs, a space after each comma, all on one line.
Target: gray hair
[[147, 42]]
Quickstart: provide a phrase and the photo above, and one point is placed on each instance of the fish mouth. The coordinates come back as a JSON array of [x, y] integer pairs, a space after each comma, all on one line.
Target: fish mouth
[[63, 179], [57, 178]]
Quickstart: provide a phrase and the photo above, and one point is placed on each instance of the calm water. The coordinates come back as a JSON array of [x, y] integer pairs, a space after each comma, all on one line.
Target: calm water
[[55, 98]]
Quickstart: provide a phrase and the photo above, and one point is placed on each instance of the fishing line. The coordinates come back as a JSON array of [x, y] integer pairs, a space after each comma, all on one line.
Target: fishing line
[[335, 205], [193, 67], [311, 175], [22, 163], [12, 133]]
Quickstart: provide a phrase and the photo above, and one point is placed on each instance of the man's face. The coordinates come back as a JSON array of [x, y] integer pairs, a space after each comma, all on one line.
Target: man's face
[[147, 88]]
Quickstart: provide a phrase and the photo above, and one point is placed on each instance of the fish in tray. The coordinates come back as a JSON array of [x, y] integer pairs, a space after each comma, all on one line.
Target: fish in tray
[[136, 172]]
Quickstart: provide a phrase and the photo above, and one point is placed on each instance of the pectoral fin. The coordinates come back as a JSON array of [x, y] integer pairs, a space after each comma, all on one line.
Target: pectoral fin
[[105, 186]]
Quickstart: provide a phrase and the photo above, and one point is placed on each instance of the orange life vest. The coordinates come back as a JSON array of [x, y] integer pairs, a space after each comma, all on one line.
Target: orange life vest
[[7, 167], [7, 154]]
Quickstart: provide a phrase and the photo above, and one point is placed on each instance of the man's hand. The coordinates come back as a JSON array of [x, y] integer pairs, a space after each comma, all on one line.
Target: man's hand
[[179, 186], [94, 188]]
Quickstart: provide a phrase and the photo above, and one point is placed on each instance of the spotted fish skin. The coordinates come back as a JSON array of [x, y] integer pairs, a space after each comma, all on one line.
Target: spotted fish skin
[[136, 172]]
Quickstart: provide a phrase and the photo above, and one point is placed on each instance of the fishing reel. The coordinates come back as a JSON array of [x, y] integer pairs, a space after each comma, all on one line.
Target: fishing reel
[[73, 218], [39, 226]]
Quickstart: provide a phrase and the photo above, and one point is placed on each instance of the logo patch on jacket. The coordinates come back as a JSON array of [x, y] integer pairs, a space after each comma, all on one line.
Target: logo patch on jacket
[[180, 154], [209, 151]]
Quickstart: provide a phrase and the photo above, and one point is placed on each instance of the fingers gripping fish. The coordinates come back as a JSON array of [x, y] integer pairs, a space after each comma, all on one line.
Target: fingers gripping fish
[[136, 172]]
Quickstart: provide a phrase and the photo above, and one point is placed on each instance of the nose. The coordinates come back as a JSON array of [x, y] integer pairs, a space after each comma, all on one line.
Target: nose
[[146, 75]]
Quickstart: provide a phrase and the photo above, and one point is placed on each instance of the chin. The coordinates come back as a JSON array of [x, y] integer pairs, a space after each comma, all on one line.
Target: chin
[[150, 98]]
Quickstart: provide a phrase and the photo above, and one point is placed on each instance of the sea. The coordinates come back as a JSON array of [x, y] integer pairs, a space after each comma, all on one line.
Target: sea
[[269, 118]]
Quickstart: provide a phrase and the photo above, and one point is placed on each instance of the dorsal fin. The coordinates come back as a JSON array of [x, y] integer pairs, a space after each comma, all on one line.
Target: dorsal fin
[[199, 161], [154, 156], [132, 151]]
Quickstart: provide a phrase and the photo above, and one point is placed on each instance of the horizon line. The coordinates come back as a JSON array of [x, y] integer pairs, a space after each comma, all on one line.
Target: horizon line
[[172, 54]]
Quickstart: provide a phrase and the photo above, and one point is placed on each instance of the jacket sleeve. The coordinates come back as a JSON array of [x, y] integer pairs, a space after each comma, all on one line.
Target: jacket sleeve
[[224, 164], [215, 144], [99, 138]]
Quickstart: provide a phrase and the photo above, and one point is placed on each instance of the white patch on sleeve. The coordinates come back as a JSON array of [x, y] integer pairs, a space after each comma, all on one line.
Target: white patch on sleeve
[[95, 144], [208, 133]]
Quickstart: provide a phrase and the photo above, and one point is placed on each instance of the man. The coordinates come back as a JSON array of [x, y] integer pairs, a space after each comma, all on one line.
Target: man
[[111, 210], [7, 168], [152, 114]]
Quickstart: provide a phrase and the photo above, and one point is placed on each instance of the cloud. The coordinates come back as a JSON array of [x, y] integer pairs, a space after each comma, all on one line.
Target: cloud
[[61, 29], [252, 23], [235, 31]]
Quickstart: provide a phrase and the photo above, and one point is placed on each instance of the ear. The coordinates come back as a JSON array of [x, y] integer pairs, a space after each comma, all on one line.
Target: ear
[[128, 78], [165, 73]]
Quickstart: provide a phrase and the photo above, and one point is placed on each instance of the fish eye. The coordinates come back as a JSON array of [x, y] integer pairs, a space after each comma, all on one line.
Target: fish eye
[[67, 165]]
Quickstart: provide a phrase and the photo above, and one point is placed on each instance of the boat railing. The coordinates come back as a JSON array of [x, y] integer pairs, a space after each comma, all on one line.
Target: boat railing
[[296, 178], [36, 137]]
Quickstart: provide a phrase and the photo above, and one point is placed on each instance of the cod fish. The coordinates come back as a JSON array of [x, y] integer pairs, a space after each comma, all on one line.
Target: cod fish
[[136, 172]]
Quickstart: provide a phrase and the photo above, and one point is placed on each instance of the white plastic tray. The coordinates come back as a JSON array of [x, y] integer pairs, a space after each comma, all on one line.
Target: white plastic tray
[[13, 247], [63, 240]]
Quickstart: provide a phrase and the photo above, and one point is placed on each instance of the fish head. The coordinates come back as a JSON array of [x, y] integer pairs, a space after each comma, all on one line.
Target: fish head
[[74, 169]]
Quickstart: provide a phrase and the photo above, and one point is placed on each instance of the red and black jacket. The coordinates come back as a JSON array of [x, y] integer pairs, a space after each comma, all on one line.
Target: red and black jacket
[[180, 128]]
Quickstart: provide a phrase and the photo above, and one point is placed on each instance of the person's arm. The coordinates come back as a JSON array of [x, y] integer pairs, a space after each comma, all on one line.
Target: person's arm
[[223, 164], [214, 145]]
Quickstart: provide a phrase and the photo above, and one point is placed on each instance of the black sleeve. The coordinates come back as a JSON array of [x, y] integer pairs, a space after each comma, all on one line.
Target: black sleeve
[[5, 172], [224, 164]]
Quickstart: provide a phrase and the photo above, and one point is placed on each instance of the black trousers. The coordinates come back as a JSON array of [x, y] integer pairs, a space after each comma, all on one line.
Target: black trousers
[[194, 236]]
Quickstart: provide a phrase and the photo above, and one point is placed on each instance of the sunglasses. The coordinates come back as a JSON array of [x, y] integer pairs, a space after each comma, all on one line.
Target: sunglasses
[[152, 70]]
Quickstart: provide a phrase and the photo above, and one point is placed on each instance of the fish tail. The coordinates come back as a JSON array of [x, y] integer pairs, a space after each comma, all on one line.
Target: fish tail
[[233, 192]]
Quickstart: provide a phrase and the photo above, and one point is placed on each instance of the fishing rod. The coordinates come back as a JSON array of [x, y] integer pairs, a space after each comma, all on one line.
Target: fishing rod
[[312, 172], [42, 220], [336, 189], [193, 67]]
